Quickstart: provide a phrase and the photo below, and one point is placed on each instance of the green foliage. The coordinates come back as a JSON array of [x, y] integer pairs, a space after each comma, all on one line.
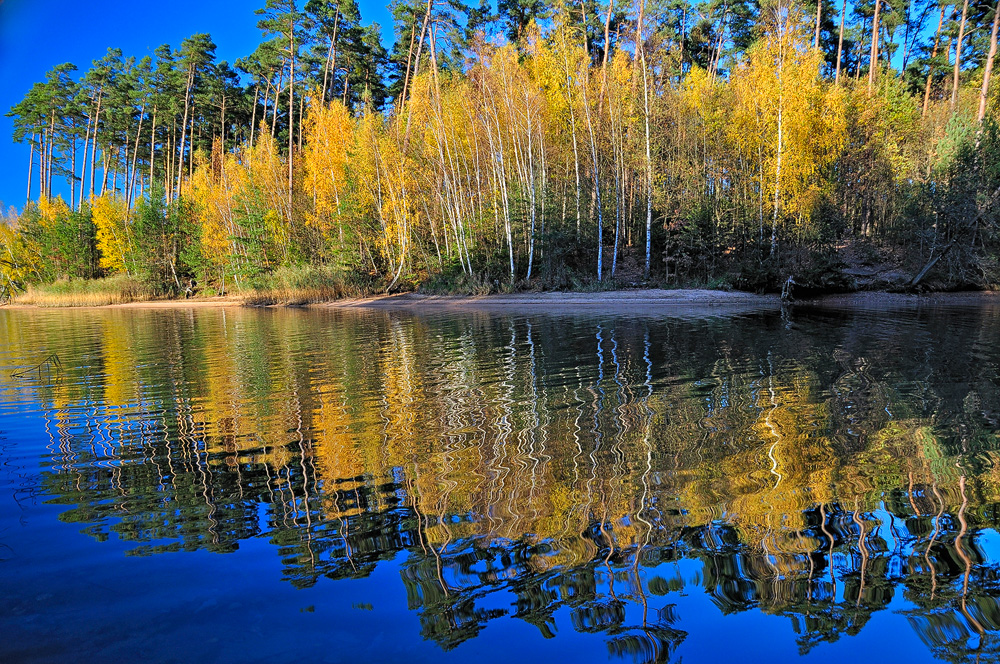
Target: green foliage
[[164, 238], [302, 284], [62, 242]]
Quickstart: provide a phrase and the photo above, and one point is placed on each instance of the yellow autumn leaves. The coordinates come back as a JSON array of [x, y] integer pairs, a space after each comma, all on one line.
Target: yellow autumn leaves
[[479, 167]]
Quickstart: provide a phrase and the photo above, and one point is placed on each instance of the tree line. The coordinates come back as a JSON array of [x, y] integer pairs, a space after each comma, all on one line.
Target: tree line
[[538, 145]]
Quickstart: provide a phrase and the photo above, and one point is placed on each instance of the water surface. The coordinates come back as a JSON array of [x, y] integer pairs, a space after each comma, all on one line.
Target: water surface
[[239, 485]]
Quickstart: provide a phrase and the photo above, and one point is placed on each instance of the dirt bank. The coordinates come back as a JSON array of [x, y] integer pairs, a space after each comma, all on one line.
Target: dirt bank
[[633, 302], [148, 304], [647, 301]]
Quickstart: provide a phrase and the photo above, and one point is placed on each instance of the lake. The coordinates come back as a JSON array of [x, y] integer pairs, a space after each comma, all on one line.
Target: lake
[[239, 485]]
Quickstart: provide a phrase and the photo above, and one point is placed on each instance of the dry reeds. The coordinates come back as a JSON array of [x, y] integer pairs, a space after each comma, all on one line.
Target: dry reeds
[[300, 285], [119, 289]]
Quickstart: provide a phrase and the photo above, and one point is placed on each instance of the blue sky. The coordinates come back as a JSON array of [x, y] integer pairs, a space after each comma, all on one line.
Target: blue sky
[[36, 35]]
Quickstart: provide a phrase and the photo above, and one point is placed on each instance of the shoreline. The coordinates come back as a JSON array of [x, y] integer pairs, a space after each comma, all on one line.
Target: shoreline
[[638, 301]]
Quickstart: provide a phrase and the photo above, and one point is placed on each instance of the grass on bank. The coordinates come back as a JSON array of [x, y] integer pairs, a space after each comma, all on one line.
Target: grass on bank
[[118, 289], [297, 285], [305, 284]]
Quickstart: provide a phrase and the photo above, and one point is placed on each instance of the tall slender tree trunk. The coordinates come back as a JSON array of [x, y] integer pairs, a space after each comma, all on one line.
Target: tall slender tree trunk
[[52, 141], [607, 52], [105, 166], [277, 96], [31, 165], [93, 147], [930, 70], [597, 184], [988, 72], [873, 58], [135, 159], [41, 163], [576, 151], [861, 46], [416, 66], [86, 146], [168, 160], [531, 188], [819, 15], [640, 45], [840, 41], [777, 170], [958, 55], [331, 56], [717, 50], [409, 62], [152, 146], [253, 114], [291, 105], [114, 179], [302, 104], [72, 185], [267, 98], [187, 108]]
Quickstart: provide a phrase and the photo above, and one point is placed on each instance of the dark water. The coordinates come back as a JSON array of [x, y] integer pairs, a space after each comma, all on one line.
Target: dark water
[[277, 486]]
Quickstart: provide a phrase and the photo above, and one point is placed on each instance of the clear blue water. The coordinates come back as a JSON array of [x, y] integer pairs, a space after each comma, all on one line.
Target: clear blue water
[[235, 485]]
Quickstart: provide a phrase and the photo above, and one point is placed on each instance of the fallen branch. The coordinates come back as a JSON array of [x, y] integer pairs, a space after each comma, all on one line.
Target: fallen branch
[[930, 264], [52, 359]]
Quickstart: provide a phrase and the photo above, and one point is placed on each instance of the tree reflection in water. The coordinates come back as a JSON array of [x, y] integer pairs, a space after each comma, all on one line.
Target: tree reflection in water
[[811, 467]]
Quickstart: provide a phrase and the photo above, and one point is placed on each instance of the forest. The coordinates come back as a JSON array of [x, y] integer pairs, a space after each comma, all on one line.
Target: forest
[[581, 144]]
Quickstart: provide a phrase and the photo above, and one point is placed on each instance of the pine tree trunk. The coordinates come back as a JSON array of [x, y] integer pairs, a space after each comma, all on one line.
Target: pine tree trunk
[[105, 163], [331, 57], [72, 185], [840, 41], [93, 147], [253, 115], [152, 147], [86, 146], [277, 96], [31, 166], [873, 58], [988, 72], [819, 15], [187, 108], [291, 106], [41, 164], [48, 175], [930, 70], [129, 194], [409, 59], [416, 67], [958, 55]]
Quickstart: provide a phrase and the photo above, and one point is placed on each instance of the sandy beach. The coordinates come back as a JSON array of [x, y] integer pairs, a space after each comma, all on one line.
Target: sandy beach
[[640, 301]]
